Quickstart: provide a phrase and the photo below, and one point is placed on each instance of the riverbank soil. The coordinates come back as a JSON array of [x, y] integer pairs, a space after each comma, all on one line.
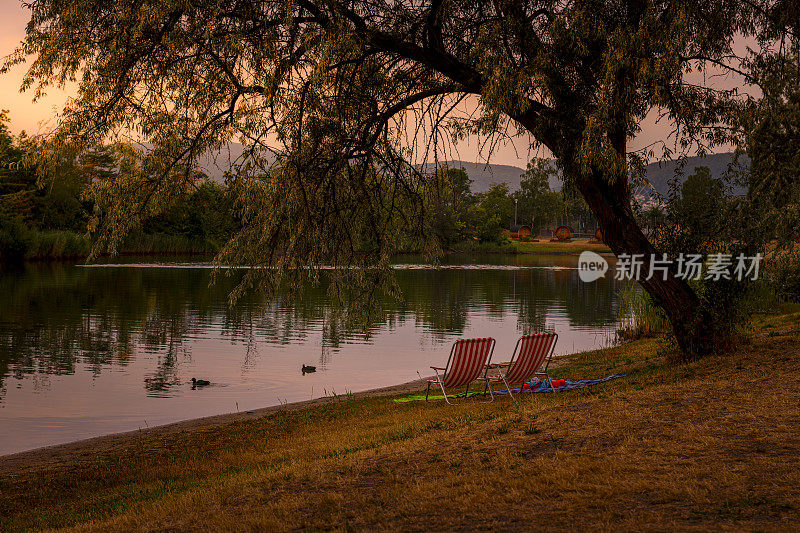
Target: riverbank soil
[[708, 445]]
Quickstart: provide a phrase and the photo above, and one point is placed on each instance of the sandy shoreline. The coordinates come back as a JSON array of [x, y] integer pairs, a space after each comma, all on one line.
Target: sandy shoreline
[[50, 456], [70, 452]]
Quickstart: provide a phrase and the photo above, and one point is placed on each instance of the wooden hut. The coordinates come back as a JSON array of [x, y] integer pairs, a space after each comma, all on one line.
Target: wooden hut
[[521, 231], [563, 234]]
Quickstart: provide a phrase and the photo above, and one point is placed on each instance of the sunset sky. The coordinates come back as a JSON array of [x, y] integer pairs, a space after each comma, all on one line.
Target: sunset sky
[[25, 115], [38, 117]]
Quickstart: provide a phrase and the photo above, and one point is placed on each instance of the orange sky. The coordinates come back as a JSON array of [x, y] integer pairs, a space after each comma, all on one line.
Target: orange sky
[[24, 114], [37, 117]]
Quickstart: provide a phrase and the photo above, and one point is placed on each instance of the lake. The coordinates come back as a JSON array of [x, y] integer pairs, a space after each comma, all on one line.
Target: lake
[[93, 350]]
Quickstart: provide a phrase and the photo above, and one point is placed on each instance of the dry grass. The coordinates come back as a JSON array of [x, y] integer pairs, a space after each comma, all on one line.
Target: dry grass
[[711, 445]]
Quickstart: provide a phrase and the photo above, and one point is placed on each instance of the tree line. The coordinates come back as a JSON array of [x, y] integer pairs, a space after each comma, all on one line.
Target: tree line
[[457, 214], [38, 201], [48, 211]]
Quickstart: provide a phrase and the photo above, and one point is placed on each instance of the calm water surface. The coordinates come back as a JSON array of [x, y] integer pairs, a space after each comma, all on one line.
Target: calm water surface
[[87, 351]]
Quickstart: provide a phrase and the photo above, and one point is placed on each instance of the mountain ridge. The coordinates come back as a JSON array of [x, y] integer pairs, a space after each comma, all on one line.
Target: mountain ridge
[[659, 174], [484, 175]]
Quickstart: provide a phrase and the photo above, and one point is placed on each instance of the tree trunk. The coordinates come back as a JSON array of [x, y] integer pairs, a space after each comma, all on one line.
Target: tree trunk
[[610, 203], [609, 199]]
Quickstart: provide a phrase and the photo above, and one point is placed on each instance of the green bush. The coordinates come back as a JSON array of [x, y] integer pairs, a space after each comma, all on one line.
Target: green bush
[[488, 247], [638, 315], [783, 275], [58, 244], [15, 239]]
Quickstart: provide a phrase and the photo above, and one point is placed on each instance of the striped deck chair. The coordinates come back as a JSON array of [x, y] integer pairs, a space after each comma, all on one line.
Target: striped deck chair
[[468, 360], [530, 353]]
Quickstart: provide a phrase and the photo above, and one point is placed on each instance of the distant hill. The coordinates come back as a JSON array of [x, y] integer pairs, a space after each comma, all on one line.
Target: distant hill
[[215, 164], [658, 174], [484, 175]]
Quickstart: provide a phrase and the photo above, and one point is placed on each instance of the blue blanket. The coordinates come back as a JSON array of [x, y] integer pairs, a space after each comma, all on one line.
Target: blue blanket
[[544, 386]]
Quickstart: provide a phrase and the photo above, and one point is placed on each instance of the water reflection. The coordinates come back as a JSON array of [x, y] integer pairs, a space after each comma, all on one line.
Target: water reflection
[[108, 337]]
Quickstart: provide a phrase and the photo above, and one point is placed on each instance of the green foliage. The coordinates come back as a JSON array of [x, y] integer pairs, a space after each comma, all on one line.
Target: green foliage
[[772, 126], [537, 204], [159, 243], [447, 200], [19, 242], [457, 217], [56, 244], [638, 315], [492, 213], [772, 140], [61, 205], [45, 197], [45, 207], [14, 238], [699, 212], [783, 275], [575, 207], [652, 219], [701, 217], [207, 213], [475, 245]]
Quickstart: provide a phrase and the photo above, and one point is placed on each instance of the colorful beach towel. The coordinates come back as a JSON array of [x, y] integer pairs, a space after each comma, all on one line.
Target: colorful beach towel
[[534, 386], [569, 384], [417, 397]]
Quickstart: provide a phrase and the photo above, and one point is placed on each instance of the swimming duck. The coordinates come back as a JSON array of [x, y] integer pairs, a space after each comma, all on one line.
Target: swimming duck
[[200, 382], [308, 369]]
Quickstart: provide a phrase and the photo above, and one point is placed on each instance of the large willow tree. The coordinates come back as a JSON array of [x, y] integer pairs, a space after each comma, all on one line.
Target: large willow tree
[[347, 95]]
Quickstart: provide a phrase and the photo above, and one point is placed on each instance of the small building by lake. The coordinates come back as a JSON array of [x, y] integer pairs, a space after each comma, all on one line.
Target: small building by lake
[[521, 231]]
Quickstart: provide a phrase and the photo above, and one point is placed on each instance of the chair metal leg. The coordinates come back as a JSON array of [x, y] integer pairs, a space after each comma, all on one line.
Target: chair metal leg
[[508, 387], [491, 392], [427, 391], [445, 394], [439, 380]]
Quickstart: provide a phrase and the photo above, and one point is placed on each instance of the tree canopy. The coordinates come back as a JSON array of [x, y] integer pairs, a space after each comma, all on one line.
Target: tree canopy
[[338, 100]]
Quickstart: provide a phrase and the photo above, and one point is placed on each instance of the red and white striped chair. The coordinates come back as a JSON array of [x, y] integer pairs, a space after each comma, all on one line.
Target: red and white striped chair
[[530, 353], [468, 361]]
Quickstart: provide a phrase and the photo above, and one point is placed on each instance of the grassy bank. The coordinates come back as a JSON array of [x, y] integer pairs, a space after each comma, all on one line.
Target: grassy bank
[[576, 246], [710, 445], [46, 245], [34, 245], [483, 247]]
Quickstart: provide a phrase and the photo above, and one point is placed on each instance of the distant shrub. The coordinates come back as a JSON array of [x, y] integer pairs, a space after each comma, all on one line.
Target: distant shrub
[[783, 275], [58, 244], [15, 238], [489, 247]]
